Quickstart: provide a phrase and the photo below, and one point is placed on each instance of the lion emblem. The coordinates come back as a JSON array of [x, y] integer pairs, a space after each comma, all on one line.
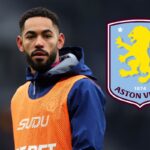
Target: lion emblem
[[137, 57]]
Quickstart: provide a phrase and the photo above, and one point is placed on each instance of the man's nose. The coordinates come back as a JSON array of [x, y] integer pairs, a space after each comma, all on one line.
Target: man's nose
[[39, 42]]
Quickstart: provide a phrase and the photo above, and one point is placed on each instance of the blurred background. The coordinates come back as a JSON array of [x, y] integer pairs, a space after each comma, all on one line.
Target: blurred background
[[84, 24]]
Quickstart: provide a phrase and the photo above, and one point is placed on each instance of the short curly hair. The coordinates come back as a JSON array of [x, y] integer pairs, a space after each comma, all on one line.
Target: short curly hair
[[41, 12]]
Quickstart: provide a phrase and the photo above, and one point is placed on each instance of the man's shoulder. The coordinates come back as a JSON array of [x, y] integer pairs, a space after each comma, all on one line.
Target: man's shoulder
[[22, 87], [85, 86], [20, 91], [86, 82]]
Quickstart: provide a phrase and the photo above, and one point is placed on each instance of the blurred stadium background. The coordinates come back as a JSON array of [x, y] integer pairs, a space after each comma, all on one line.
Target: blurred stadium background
[[84, 24]]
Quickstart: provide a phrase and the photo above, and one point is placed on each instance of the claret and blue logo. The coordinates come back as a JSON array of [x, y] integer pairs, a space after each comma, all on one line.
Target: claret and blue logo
[[128, 66]]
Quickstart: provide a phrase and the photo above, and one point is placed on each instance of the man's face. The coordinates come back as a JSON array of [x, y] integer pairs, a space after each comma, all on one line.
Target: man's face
[[40, 41]]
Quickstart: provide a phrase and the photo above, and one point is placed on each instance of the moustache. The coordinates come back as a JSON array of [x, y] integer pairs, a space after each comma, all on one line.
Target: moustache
[[39, 51]]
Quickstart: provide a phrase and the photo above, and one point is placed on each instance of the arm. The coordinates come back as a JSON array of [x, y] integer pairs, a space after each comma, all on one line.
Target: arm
[[120, 44], [85, 105]]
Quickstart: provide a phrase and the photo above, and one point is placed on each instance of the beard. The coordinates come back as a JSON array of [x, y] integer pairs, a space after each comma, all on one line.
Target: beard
[[39, 64]]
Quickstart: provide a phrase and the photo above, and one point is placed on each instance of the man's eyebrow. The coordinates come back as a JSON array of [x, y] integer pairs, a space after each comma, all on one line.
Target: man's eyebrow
[[30, 32], [47, 30], [43, 32]]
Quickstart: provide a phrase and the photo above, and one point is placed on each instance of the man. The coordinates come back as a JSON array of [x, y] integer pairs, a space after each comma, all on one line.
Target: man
[[60, 107]]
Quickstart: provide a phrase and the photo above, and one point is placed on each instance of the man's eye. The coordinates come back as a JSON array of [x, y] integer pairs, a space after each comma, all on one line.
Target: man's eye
[[47, 36], [30, 36]]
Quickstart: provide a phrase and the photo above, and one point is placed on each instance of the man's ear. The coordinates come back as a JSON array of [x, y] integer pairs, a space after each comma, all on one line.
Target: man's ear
[[19, 43], [61, 40]]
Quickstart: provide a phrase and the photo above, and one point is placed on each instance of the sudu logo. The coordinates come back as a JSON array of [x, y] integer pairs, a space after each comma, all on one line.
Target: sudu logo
[[33, 122]]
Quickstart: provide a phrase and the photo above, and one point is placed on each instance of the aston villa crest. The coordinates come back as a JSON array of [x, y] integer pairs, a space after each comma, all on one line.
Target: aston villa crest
[[128, 55]]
